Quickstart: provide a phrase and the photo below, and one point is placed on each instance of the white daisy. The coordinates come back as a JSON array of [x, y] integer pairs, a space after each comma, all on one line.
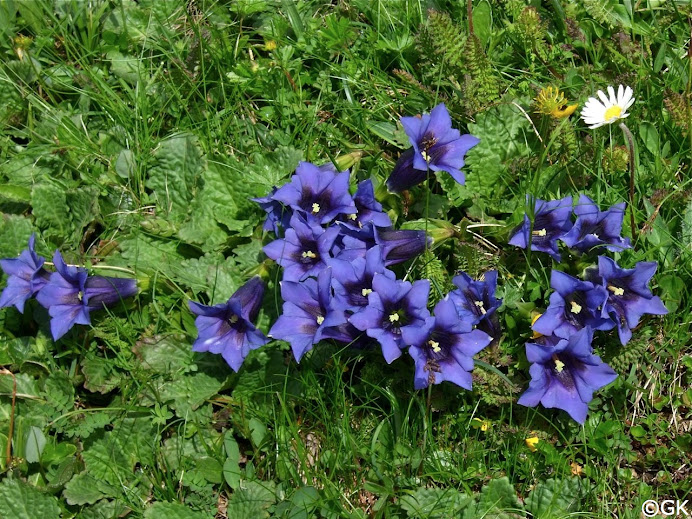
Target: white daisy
[[609, 109]]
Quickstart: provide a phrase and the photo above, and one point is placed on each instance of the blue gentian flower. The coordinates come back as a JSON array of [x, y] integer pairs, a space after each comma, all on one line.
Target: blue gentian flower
[[304, 249], [401, 245], [436, 146], [278, 215], [352, 280], [228, 328], [565, 375], [354, 242], [551, 223], [71, 295], [629, 296], [475, 300], [369, 209], [443, 347], [26, 276], [574, 305], [308, 315], [319, 193], [595, 228], [393, 306]]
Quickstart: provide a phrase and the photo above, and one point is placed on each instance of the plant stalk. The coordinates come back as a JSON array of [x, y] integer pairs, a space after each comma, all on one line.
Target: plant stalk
[[630, 146]]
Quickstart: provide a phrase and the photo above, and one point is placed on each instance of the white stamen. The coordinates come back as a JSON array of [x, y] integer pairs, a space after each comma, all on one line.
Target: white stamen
[[575, 308], [435, 346]]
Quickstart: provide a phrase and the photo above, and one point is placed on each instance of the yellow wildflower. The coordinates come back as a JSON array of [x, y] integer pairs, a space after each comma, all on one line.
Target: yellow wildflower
[[531, 443], [550, 101]]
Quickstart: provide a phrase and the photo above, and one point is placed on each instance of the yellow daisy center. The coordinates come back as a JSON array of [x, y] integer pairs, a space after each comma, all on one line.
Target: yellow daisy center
[[612, 112]]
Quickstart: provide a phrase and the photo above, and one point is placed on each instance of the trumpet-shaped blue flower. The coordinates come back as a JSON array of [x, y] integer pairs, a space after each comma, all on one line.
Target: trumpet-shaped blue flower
[[574, 305], [436, 146], [278, 215], [352, 242], [26, 276], [304, 249], [565, 375], [402, 245], [629, 297], [228, 328], [352, 280], [319, 193], [551, 223], [393, 306], [369, 209], [308, 315], [443, 348], [71, 295], [595, 228], [475, 301]]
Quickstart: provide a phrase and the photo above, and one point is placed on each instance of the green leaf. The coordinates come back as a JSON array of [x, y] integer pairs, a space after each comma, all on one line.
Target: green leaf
[[483, 22], [14, 235], [128, 68], [231, 468], [106, 461], [84, 206], [213, 274], [175, 177], [100, 374], [210, 469], [258, 432], [556, 498], [19, 500], [173, 511], [252, 500], [434, 503], [82, 489], [649, 135], [190, 391], [35, 442], [169, 354], [14, 199], [49, 206], [498, 500]]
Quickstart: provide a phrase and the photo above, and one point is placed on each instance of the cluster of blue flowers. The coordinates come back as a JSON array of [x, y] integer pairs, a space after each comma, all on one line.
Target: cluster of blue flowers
[[335, 249], [564, 369], [70, 294]]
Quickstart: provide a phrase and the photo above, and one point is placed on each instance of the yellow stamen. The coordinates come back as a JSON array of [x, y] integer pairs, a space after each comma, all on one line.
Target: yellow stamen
[[612, 112], [575, 308], [233, 319], [435, 346], [559, 365], [366, 291], [80, 295], [393, 317], [616, 290], [540, 232], [315, 208], [425, 155], [479, 304], [320, 319], [309, 254], [353, 216]]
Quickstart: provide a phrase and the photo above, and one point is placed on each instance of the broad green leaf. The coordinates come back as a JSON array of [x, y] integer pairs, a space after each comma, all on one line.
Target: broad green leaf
[[168, 354], [188, 392], [175, 176], [649, 135], [434, 503], [106, 461], [498, 500], [19, 500], [35, 442], [145, 253], [14, 199], [483, 22], [84, 206], [49, 207], [82, 489], [556, 498], [128, 68], [212, 273], [14, 235], [210, 469], [161, 509], [252, 500], [100, 374], [231, 470]]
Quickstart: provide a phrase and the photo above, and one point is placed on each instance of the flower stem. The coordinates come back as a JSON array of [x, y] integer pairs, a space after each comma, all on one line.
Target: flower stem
[[630, 146]]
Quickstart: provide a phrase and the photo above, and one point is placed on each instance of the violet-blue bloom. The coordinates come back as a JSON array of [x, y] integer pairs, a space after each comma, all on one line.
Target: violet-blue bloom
[[278, 215], [369, 209], [318, 192], [551, 223], [26, 276], [629, 297], [228, 328], [475, 300], [566, 375], [436, 146], [443, 348], [595, 228], [393, 306], [308, 315], [71, 295], [352, 280], [574, 305], [304, 249], [401, 245], [352, 242]]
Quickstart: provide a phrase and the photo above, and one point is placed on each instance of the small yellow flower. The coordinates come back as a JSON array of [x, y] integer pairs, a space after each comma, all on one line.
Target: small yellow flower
[[270, 45], [532, 442], [483, 425], [577, 470], [550, 101], [535, 334]]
